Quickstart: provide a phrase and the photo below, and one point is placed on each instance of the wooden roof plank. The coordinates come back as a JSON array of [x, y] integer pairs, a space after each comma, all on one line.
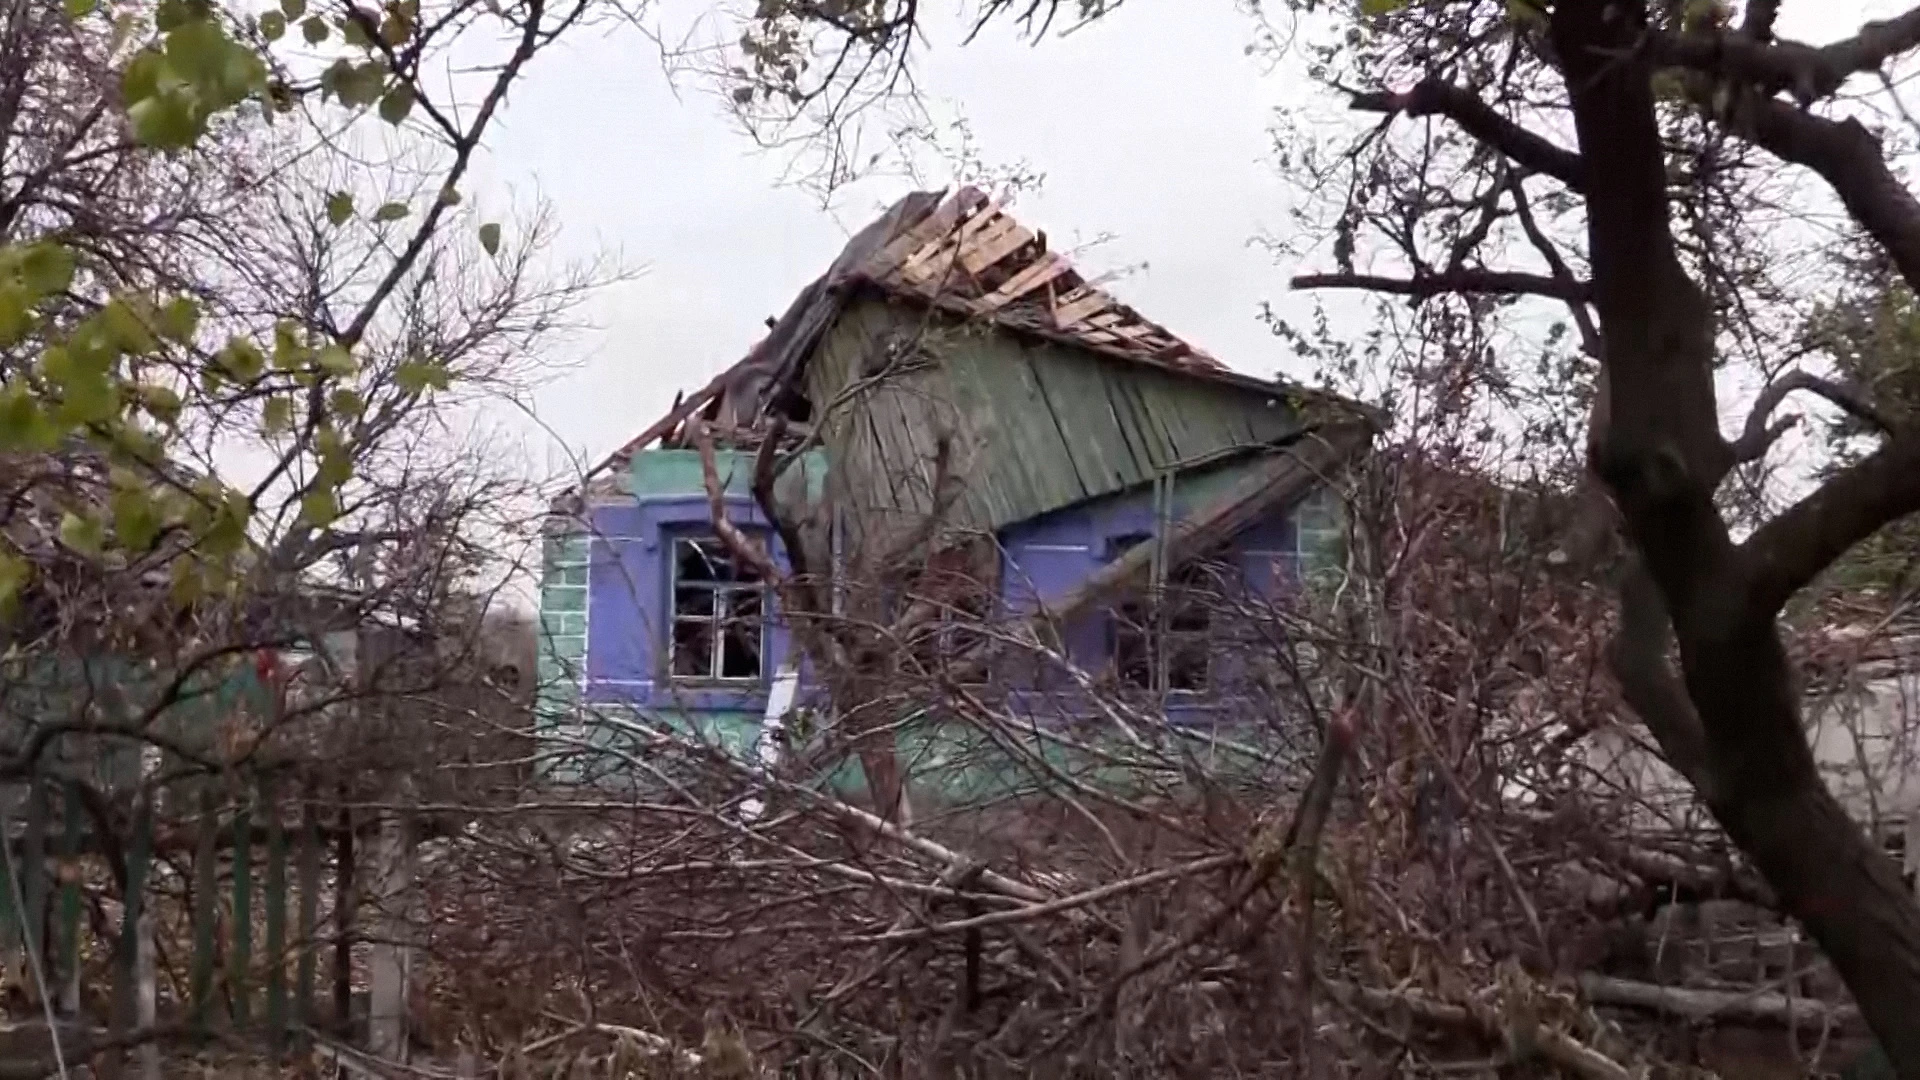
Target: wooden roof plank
[[1067, 315], [990, 247], [943, 219], [1043, 270]]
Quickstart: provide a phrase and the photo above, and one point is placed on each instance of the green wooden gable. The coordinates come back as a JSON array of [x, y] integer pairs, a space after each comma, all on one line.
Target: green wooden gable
[[1035, 425]]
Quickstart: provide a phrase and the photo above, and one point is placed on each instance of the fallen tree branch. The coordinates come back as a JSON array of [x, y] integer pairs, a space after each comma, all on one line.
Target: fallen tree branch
[[1740, 1006], [1557, 1047], [1054, 907]]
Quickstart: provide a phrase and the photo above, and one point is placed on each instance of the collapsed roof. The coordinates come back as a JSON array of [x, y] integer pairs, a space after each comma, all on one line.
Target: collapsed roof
[[961, 254]]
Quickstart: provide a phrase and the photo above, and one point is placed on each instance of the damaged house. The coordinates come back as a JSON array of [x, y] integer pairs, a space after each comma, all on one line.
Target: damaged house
[[950, 416]]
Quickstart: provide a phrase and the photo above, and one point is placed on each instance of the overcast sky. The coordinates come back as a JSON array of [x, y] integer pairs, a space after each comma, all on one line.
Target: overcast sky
[[1151, 126]]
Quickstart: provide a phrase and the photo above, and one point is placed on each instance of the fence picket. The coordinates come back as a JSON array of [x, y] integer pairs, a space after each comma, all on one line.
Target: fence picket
[[205, 880], [33, 879], [127, 966], [307, 925], [240, 952], [275, 901], [67, 944]]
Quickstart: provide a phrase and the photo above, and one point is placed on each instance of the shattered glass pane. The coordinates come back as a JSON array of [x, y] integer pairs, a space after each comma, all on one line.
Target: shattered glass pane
[[692, 649], [740, 650]]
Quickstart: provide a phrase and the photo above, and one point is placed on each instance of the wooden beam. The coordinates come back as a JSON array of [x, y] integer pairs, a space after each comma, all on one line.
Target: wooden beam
[[1044, 269], [1287, 476]]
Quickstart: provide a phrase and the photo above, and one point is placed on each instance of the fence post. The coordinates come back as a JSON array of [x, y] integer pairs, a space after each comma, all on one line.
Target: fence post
[[135, 985], [390, 962]]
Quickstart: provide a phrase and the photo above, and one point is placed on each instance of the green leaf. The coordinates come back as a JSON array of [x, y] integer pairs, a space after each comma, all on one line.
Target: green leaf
[[289, 347], [276, 418], [1527, 12], [320, 507], [1375, 8], [46, 268], [396, 104], [169, 14], [396, 28], [165, 121], [24, 423], [189, 582], [179, 319], [273, 25], [392, 211], [227, 531], [80, 9], [293, 9], [415, 376], [355, 32], [85, 535], [356, 85], [16, 314], [242, 360], [141, 79], [15, 574], [162, 402], [449, 196], [339, 207], [315, 30], [345, 402], [490, 237], [126, 328], [137, 519], [335, 360]]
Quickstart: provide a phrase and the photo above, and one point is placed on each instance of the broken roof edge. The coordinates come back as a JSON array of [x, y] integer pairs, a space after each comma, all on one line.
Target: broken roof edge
[[1221, 375]]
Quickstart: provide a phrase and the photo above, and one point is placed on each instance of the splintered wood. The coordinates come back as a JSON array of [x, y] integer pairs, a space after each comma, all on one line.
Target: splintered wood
[[971, 255]]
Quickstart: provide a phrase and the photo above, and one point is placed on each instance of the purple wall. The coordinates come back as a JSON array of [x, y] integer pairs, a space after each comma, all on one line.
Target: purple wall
[[627, 604], [628, 580]]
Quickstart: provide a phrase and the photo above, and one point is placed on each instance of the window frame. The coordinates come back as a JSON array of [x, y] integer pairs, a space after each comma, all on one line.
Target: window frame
[[721, 612], [1135, 634]]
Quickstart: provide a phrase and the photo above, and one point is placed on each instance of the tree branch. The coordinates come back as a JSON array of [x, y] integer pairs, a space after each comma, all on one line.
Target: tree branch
[[1433, 95], [1427, 286], [1810, 73], [1734, 1006], [1582, 318], [1761, 15], [1849, 158], [1638, 657], [1791, 550], [1759, 435]]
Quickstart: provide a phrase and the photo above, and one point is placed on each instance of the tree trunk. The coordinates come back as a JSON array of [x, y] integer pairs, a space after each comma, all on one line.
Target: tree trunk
[[1736, 729]]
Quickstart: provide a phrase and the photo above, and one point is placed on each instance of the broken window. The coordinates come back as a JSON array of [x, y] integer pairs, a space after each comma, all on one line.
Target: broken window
[[1163, 641], [719, 613]]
